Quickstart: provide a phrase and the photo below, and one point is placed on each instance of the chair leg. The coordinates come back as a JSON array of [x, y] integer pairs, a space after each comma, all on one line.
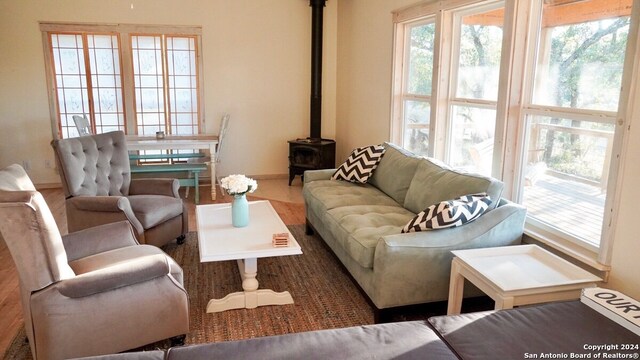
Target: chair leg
[[197, 186], [186, 191], [181, 239], [178, 340]]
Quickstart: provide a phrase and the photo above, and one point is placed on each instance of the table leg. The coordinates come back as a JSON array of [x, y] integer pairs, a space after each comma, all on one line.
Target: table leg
[[251, 297], [456, 288], [504, 302], [212, 166]]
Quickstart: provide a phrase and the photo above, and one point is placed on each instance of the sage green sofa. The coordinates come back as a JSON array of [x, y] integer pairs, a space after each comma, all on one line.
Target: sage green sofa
[[362, 224]]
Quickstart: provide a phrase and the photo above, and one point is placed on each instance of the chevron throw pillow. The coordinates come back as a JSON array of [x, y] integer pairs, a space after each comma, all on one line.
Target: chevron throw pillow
[[449, 213], [360, 164]]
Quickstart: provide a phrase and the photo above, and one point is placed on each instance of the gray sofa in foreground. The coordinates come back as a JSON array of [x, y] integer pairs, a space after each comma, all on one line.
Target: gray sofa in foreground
[[362, 225], [555, 328]]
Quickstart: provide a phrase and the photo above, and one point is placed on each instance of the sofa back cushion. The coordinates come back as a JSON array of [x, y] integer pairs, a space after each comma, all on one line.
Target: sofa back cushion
[[435, 182], [394, 172]]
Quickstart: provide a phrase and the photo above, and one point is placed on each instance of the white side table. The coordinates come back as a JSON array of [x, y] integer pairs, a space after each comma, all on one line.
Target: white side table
[[516, 275]]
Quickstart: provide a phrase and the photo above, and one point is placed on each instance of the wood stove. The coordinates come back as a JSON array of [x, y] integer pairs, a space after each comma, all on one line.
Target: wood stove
[[307, 154], [314, 152]]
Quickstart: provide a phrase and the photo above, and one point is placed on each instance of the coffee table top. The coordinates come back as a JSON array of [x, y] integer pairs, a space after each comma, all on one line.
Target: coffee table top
[[218, 240], [513, 268]]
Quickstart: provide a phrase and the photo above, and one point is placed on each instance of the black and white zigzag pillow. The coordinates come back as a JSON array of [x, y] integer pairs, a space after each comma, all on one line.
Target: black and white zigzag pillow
[[360, 164], [449, 213]]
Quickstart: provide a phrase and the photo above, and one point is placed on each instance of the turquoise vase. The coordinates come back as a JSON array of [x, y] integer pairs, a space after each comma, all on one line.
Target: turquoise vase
[[240, 211]]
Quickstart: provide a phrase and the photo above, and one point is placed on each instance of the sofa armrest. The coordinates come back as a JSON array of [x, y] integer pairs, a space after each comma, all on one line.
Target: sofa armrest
[[313, 175], [116, 276], [88, 211], [428, 253], [167, 187], [98, 239]]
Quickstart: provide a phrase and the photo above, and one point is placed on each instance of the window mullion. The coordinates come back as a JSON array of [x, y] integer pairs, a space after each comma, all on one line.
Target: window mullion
[[165, 81], [87, 69], [128, 83]]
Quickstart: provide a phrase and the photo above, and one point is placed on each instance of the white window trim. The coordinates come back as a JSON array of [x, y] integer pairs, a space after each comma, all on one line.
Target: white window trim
[[123, 31], [511, 113]]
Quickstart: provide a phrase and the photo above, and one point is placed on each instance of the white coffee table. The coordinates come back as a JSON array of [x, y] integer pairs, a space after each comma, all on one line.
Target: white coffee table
[[516, 275], [218, 240]]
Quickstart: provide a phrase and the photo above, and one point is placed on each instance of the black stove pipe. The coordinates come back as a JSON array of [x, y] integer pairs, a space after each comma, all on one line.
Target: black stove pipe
[[317, 8]]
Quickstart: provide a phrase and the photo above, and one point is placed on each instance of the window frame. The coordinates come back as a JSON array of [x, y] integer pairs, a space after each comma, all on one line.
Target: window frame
[[123, 32], [599, 256], [452, 100], [517, 59], [401, 81]]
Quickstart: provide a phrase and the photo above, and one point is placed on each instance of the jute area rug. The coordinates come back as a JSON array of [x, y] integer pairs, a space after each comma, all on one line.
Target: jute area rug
[[324, 295]]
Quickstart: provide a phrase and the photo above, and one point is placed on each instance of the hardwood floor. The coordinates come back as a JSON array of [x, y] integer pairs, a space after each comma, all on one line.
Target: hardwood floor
[[286, 200]]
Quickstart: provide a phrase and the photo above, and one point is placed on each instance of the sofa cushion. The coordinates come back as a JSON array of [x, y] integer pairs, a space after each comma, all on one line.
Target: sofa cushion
[[152, 210], [555, 328], [435, 182], [359, 228], [395, 171], [360, 165], [329, 194], [399, 341], [449, 213]]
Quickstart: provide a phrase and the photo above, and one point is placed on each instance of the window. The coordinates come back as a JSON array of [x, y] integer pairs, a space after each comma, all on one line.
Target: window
[[529, 92], [415, 102], [88, 81], [139, 79], [570, 119], [472, 112]]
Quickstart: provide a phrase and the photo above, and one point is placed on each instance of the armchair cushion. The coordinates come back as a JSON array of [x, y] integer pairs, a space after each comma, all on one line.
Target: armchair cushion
[[166, 187], [94, 165], [98, 239], [130, 253], [119, 274], [152, 210]]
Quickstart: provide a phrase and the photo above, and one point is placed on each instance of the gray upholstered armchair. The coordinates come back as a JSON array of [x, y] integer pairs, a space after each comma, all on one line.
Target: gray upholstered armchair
[[96, 178], [96, 291]]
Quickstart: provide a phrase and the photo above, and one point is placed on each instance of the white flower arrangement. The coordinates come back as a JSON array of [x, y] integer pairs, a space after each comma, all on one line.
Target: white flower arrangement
[[238, 185]]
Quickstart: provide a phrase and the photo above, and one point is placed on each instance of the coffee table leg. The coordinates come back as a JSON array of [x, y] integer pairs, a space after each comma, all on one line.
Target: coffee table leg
[[251, 297], [456, 289]]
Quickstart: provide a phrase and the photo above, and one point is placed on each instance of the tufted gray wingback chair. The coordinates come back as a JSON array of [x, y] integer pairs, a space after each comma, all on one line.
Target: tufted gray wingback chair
[[96, 178], [95, 291]]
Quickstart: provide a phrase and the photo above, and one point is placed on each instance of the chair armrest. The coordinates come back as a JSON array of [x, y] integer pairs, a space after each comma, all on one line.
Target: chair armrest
[[428, 254], [98, 239], [116, 276], [167, 187], [89, 211], [313, 175]]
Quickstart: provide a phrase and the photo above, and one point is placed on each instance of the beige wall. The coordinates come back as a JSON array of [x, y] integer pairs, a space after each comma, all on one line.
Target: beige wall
[[363, 112], [364, 72], [256, 58]]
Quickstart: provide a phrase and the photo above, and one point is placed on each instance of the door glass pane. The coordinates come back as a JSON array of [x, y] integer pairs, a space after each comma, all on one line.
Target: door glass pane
[[565, 174], [472, 138], [420, 43], [104, 61], [581, 54], [71, 84], [416, 126], [183, 95], [479, 56], [149, 84]]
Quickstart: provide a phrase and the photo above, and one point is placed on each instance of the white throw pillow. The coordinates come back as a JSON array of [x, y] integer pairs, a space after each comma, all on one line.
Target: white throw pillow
[[450, 213]]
